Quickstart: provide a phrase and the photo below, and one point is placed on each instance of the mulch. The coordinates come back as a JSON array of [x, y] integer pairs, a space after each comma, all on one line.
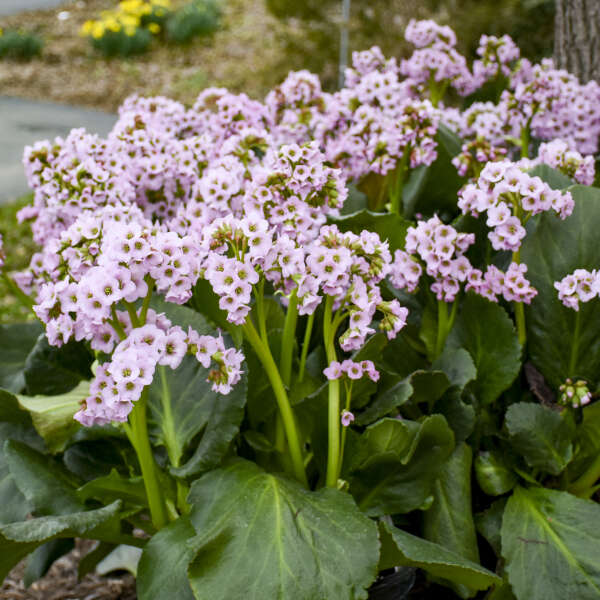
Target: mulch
[[61, 582]]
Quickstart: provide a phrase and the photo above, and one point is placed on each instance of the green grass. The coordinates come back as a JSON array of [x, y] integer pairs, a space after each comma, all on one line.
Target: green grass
[[18, 248]]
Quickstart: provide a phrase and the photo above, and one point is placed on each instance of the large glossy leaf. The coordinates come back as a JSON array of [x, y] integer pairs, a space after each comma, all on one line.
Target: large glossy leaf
[[52, 416], [184, 407], [458, 366], [162, 570], [399, 548], [554, 178], [263, 536], [16, 342], [494, 475], [396, 463], [551, 545], [43, 557], [46, 485], [562, 342], [449, 521], [50, 370], [15, 424], [588, 441], [487, 333], [434, 188], [17, 540], [542, 436], [388, 226], [489, 524]]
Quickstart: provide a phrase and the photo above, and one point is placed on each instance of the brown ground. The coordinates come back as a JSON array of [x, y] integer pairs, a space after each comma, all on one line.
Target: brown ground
[[244, 56], [60, 583]]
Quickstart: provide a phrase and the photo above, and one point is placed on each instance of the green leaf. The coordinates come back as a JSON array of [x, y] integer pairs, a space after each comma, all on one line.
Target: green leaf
[[385, 403], [449, 521], [17, 540], [434, 188], [494, 476], [458, 366], [16, 341], [185, 409], [396, 463], [45, 484], [162, 570], [114, 486], [540, 435], [459, 415], [489, 523], [551, 545], [50, 370], [52, 416], [428, 386], [122, 558], [562, 342], [43, 557], [487, 333], [387, 226], [399, 548], [263, 536], [587, 441]]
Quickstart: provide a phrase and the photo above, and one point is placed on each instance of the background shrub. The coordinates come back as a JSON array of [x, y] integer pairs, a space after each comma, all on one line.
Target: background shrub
[[198, 18], [19, 45]]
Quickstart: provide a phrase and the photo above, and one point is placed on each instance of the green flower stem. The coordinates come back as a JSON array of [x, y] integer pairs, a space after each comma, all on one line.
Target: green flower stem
[[525, 139], [305, 346], [575, 346], [288, 338], [146, 303], [584, 487], [266, 358], [132, 314], [137, 431], [520, 310], [442, 327], [344, 429], [333, 418], [397, 182], [116, 324], [21, 296]]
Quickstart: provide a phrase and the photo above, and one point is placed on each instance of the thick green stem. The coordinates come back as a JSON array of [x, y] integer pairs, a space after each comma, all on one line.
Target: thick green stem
[[287, 340], [442, 327], [333, 418], [397, 182], [116, 324], [137, 431], [132, 314], [525, 140], [520, 310], [266, 358], [343, 444], [584, 486], [146, 303], [575, 345], [305, 346]]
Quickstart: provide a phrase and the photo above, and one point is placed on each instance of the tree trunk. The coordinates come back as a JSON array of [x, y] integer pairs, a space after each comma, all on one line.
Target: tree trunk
[[577, 38]]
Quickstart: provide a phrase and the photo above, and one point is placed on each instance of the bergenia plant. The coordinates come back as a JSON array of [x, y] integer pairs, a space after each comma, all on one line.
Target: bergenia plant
[[319, 346]]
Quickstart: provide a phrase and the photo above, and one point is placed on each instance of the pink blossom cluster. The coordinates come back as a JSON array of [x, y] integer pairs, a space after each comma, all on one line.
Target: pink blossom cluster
[[441, 249], [574, 393], [509, 196], [436, 58], [119, 382], [558, 155], [2, 256], [513, 286], [352, 370], [579, 286], [498, 56]]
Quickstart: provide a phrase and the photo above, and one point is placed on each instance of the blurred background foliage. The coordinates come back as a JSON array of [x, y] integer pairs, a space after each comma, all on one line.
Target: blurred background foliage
[[311, 28]]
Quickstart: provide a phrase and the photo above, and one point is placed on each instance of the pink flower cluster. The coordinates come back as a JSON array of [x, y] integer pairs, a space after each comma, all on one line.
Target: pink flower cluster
[[558, 155], [436, 58], [498, 56], [352, 370], [509, 196], [119, 382], [579, 286], [513, 286], [441, 248]]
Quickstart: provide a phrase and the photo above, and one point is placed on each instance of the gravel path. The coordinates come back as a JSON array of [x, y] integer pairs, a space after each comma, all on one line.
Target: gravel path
[[23, 122]]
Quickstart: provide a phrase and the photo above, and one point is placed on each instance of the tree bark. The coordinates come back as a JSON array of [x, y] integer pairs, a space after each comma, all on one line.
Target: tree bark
[[577, 38]]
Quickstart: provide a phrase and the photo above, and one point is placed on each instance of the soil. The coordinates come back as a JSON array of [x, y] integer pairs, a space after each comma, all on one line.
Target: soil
[[245, 55], [61, 583]]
